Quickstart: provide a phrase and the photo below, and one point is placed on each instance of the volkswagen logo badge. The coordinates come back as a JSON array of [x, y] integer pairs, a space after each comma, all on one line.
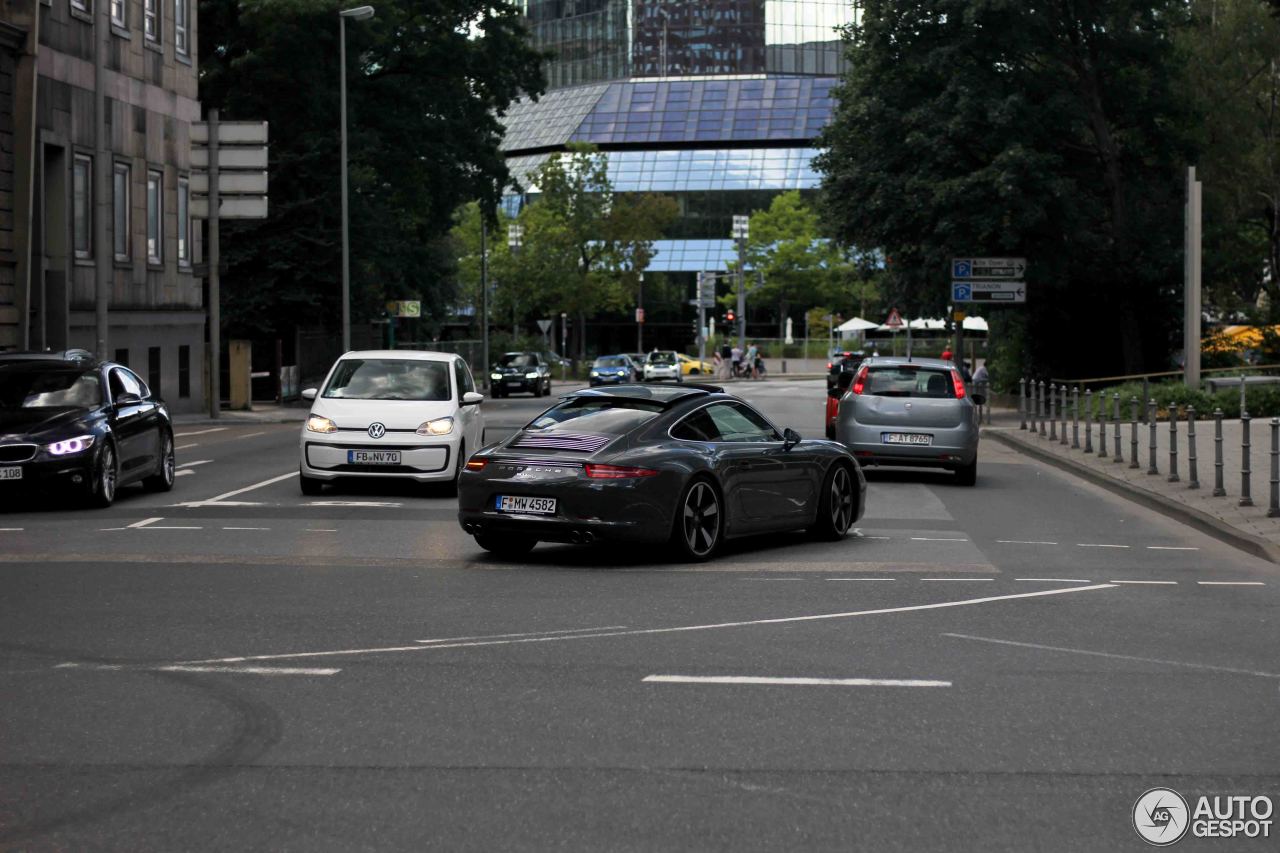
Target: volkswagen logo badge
[[377, 430]]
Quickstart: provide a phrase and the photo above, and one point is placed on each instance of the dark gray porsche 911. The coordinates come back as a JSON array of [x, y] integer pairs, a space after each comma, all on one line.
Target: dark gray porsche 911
[[690, 466]]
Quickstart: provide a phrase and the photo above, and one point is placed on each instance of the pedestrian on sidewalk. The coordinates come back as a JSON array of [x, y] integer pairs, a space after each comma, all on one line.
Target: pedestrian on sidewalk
[[736, 356], [753, 353]]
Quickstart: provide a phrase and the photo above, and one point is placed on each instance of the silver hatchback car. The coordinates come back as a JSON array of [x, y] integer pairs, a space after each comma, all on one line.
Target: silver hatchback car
[[910, 412]]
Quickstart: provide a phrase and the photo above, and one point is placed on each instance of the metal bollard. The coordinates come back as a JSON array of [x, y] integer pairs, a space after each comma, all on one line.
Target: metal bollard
[[1218, 490], [1133, 432], [1118, 455], [1041, 408], [1273, 509], [1088, 424], [1075, 418], [1022, 403], [1173, 443], [1062, 393], [1102, 424], [1246, 498], [1194, 482], [1053, 412], [1151, 424], [986, 395]]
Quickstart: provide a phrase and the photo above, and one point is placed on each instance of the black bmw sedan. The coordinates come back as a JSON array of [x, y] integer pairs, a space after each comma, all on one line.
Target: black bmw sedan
[[81, 427], [686, 465]]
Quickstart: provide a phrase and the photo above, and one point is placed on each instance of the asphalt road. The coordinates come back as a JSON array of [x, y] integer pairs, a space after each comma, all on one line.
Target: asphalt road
[[236, 666]]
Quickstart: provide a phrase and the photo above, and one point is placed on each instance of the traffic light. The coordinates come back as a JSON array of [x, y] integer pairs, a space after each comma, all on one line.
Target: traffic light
[[728, 317]]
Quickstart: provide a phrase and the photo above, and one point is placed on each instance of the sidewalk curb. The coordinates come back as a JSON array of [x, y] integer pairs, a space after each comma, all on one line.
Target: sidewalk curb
[[1190, 516]]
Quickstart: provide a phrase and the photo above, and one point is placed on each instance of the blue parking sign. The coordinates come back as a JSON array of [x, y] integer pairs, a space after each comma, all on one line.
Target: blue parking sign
[[961, 292], [961, 269]]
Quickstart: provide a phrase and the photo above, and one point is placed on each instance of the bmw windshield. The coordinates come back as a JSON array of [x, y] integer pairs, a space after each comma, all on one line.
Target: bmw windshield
[[24, 388]]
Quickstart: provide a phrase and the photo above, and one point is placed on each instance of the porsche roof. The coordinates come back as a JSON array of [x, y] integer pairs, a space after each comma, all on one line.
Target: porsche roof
[[665, 394]]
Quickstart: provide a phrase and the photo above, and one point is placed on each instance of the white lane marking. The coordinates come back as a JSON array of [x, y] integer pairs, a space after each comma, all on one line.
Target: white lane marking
[[1115, 656], [861, 579], [864, 536], [1055, 580], [219, 503], [526, 634], [1149, 583], [143, 523], [237, 670], [964, 602], [1098, 545], [963, 580], [253, 670], [1169, 548], [936, 539], [186, 446], [198, 432], [322, 530], [172, 527], [354, 503], [11, 529], [195, 462], [246, 528], [183, 472], [1231, 583], [232, 494], [770, 579], [253, 435], [804, 682], [1024, 542]]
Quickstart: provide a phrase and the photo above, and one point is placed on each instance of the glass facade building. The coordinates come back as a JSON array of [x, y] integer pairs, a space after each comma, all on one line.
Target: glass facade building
[[715, 103]]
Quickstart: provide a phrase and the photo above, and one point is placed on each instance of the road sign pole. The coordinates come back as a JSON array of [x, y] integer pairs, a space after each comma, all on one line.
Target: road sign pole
[[215, 285]]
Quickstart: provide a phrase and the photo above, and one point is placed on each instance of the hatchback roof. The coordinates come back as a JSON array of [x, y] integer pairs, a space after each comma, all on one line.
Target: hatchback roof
[[890, 361], [408, 354]]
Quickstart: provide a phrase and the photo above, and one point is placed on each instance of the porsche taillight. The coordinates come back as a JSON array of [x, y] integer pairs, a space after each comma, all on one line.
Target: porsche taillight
[[476, 464], [616, 472]]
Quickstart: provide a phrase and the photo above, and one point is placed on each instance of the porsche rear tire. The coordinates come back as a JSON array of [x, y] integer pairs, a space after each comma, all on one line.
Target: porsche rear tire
[[698, 527], [837, 506]]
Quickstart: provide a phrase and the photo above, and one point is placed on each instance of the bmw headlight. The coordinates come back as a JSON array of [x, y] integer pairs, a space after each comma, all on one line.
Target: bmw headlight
[[439, 426], [495, 375], [316, 423], [69, 445], [531, 376]]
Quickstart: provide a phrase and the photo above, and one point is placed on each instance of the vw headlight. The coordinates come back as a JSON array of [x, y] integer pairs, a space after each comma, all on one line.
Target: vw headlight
[[531, 376], [69, 445], [316, 423], [439, 426], [495, 375]]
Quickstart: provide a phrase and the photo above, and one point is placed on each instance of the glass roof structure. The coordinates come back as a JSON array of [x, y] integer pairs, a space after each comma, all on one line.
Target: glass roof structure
[[677, 171]]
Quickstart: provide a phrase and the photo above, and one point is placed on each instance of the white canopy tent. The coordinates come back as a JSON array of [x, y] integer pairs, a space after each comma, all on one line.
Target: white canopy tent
[[921, 324]]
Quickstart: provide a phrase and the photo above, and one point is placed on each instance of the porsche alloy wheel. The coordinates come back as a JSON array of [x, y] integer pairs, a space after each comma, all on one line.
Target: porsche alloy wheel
[[837, 508], [699, 521]]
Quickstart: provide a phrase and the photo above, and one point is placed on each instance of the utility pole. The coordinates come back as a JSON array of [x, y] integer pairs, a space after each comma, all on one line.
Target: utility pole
[[215, 281], [484, 295], [1191, 284], [640, 316], [100, 189]]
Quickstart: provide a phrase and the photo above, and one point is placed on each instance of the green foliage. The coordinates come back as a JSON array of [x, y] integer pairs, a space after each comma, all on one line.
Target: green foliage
[[426, 82], [1004, 128]]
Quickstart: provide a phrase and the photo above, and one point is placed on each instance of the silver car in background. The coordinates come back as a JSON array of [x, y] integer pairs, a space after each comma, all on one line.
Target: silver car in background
[[913, 412]]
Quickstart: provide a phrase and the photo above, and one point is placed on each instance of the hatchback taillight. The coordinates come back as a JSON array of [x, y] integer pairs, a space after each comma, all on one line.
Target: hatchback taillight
[[959, 383], [860, 381], [616, 472]]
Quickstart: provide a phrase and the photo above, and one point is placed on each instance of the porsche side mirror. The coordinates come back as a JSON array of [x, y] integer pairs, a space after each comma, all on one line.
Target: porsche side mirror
[[472, 398], [309, 393], [790, 438]]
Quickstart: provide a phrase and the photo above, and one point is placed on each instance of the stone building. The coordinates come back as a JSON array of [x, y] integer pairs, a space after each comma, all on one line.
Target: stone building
[[97, 246]]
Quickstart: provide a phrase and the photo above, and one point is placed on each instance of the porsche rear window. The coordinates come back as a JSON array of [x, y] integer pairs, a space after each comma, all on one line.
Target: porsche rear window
[[905, 380], [603, 415]]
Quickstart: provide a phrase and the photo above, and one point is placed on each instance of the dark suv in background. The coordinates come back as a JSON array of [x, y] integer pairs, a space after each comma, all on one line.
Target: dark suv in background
[[525, 372]]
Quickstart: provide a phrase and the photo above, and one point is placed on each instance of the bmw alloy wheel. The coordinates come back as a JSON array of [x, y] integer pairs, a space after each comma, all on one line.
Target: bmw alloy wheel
[[700, 519]]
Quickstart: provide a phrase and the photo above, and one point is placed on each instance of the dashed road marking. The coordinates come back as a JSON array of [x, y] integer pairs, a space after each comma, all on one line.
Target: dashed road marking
[[1024, 542], [1231, 583], [525, 634], [860, 579], [322, 530], [1098, 545], [770, 579], [172, 527], [1055, 580], [198, 432], [936, 539], [253, 434], [246, 528], [959, 580], [386, 504], [186, 446], [794, 682], [1169, 548], [183, 472], [11, 529], [195, 462], [143, 523], [233, 670], [1136, 658], [1148, 583]]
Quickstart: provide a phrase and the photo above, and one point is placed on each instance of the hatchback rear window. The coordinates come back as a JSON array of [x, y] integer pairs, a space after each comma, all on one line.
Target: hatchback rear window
[[604, 415], [909, 381]]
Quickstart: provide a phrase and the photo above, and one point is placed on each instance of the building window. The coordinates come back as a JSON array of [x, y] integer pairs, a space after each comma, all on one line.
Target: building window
[[180, 27], [82, 206], [155, 217], [122, 357], [151, 19], [120, 211], [184, 222], [117, 13], [153, 367], [82, 5], [184, 371]]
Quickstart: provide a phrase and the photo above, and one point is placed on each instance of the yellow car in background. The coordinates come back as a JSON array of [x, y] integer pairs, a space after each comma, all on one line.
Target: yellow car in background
[[694, 367]]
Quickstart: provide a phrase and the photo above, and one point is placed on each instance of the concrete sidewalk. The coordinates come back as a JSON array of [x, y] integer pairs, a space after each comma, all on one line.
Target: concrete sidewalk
[[1247, 527]]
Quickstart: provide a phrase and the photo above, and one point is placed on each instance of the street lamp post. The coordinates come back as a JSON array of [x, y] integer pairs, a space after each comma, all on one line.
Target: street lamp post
[[640, 316], [515, 239], [359, 13], [741, 228]]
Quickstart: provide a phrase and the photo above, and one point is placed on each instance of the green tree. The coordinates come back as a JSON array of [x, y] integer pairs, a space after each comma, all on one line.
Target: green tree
[[1052, 131], [1233, 78], [426, 84]]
